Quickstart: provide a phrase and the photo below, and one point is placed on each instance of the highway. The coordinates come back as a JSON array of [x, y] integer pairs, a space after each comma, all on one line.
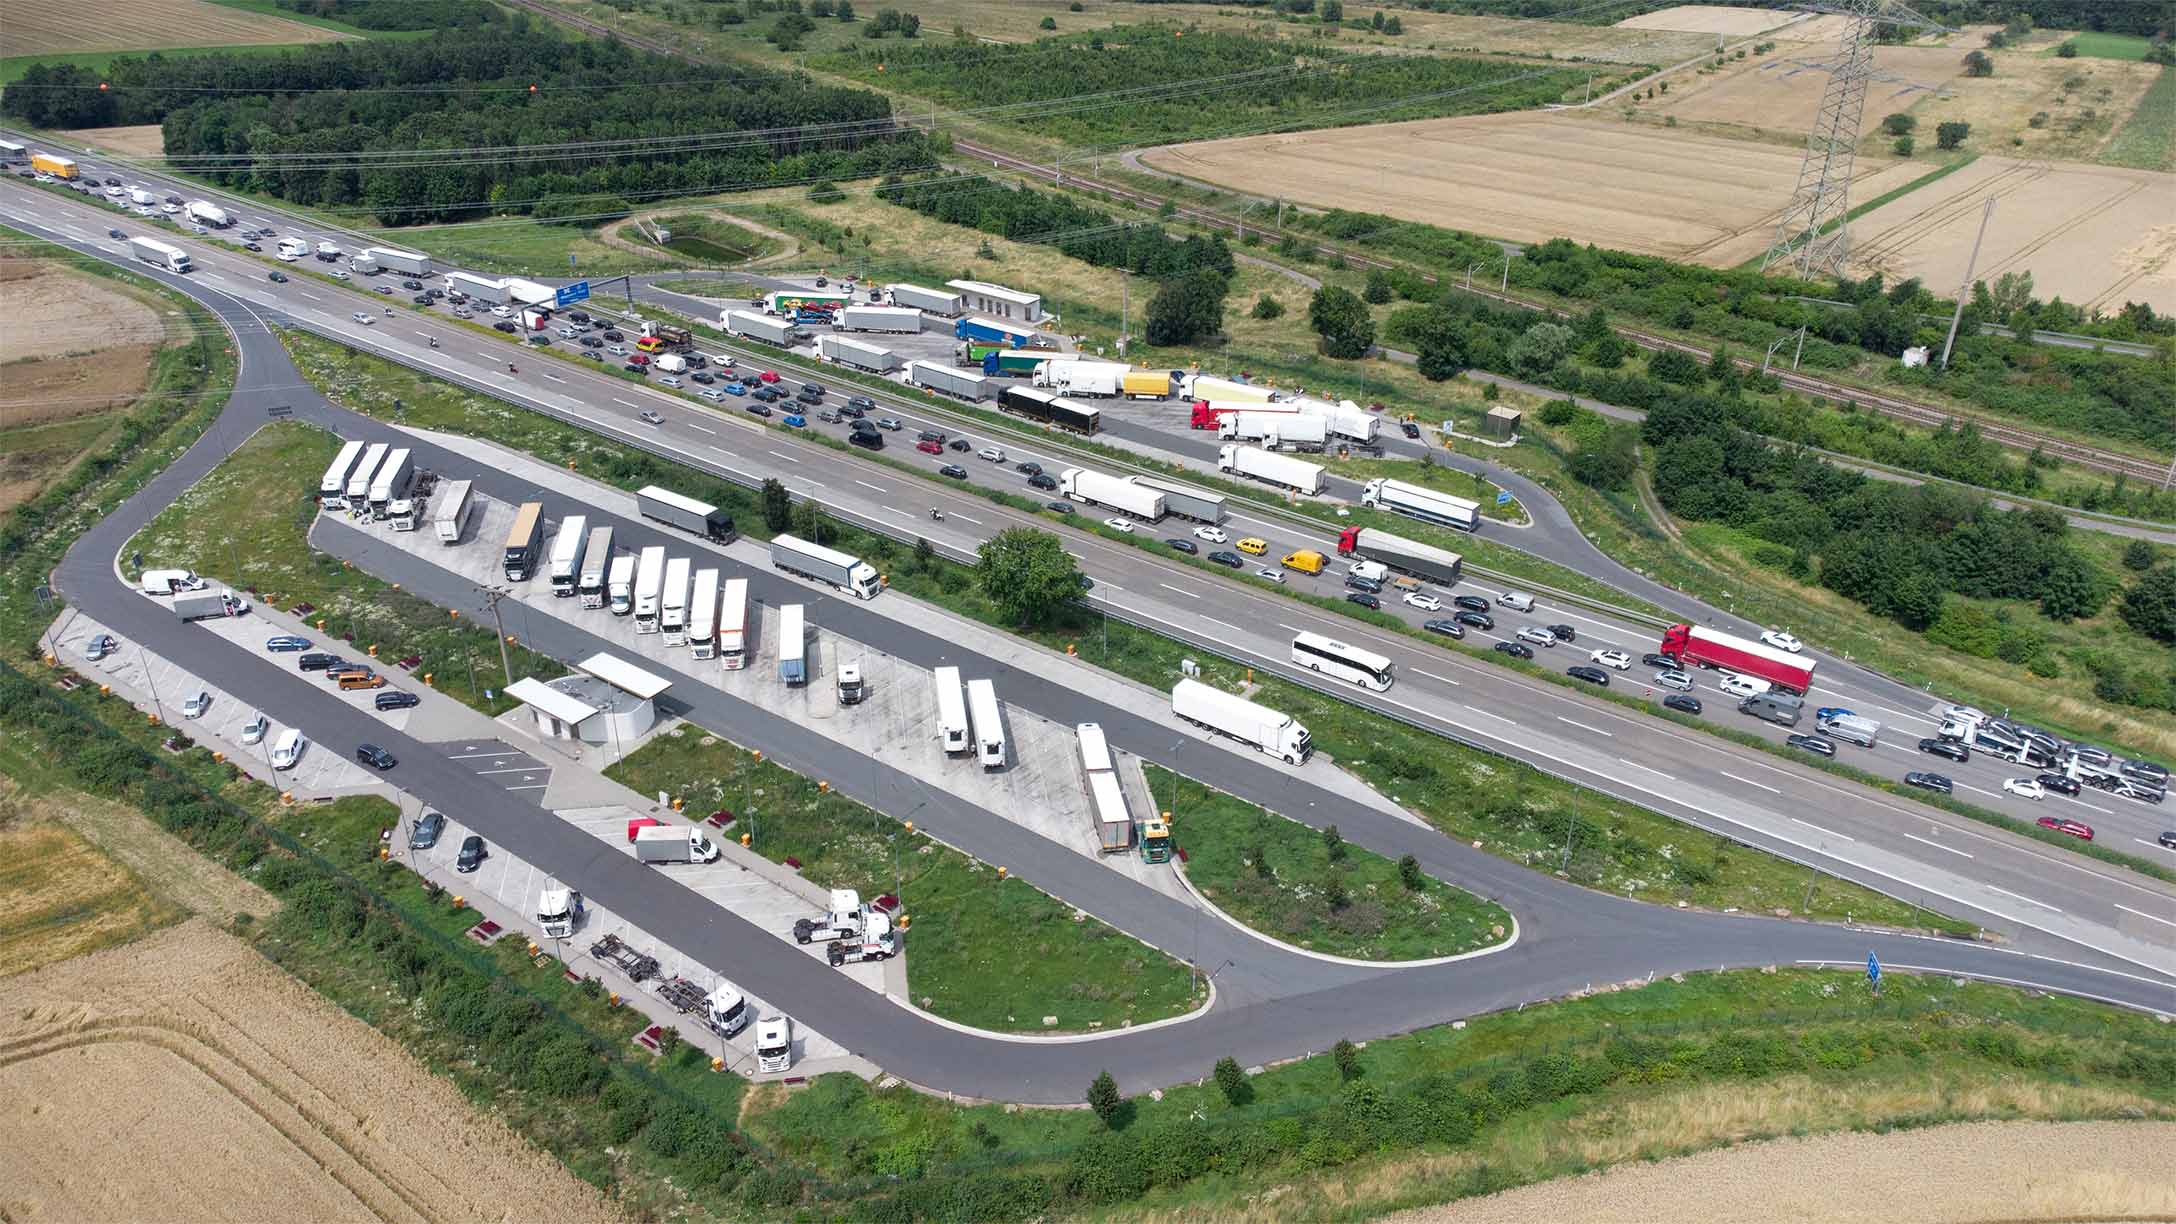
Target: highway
[[1570, 938], [1943, 861]]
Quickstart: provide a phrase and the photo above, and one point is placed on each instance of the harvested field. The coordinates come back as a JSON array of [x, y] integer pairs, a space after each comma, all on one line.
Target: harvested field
[[65, 898], [77, 348], [1531, 177], [142, 140], [185, 1078], [2096, 235], [1708, 19], [35, 28], [1778, 93], [1958, 1174]]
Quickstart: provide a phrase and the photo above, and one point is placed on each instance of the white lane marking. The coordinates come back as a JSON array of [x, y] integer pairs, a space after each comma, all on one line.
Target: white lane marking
[[1165, 585], [1818, 829], [1227, 624], [881, 489], [977, 522], [2143, 914], [1937, 845], [699, 429], [2082, 803], [1584, 727], [625, 403], [554, 377], [1431, 675], [816, 484], [2027, 900], [313, 297], [1977, 791], [900, 513], [1649, 768], [1287, 628], [1749, 782], [788, 458]]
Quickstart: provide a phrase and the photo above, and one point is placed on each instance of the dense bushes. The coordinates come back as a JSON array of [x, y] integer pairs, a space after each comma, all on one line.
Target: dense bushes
[[303, 124], [1024, 214], [407, 15]]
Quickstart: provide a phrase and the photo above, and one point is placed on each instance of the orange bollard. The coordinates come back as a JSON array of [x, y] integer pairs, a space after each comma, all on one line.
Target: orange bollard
[[454, 613], [910, 826], [903, 921], [384, 852], [1001, 873], [373, 652], [758, 755], [427, 680], [1069, 650], [105, 690], [615, 998], [823, 787], [154, 719], [219, 756], [676, 804], [716, 1064], [744, 841], [460, 903]]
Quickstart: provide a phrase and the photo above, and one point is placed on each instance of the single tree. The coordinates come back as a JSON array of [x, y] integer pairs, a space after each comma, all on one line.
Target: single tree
[[925, 556], [1978, 65], [1333, 843], [1232, 1081], [1333, 11], [1347, 1057], [2139, 555], [1409, 874], [1902, 146], [1342, 320], [1048, 23], [1542, 348], [1899, 124], [2068, 50], [1950, 135], [2150, 605], [846, 10], [1267, 307], [1187, 308], [1393, 26], [1378, 289], [777, 506], [1104, 1099], [809, 522], [1028, 574]]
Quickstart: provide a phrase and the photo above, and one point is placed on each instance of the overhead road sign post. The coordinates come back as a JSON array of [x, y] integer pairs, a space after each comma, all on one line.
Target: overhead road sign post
[[568, 295], [1873, 972], [1503, 497]]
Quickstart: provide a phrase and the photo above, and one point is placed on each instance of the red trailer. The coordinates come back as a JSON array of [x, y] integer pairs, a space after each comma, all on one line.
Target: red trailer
[[1692, 644], [1206, 414]]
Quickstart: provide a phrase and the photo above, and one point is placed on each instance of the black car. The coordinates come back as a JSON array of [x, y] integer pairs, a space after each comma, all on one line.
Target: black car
[[1365, 600], [472, 854], [1946, 748], [1592, 675], [1409, 429], [1517, 650], [579, 316], [1471, 603], [2061, 784], [867, 441], [614, 337], [1660, 662], [1230, 559], [769, 395], [1028, 468], [1938, 783], [394, 699], [632, 368], [251, 246], [860, 404], [504, 326], [761, 410], [316, 662], [961, 444], [807, 398], [412, 286], [1356, 583], [1682, 703], [425, 832], [954, 470], [277, 278], [421, 299], [1473, 620], [930, 435], [1564, 633], [374, 756], [114, 233], [540, 340], [1185, 546], [814, 389], [1448, 628], [1818, 745], [2167, 839], [2145, 771], [591, 342], [1040, 481], [1059, 507], [703, 378]]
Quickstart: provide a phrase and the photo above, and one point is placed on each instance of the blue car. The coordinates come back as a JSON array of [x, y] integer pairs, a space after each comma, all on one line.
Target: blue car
[[287, 641], [1831, 712], [734, 388], [795, 420]]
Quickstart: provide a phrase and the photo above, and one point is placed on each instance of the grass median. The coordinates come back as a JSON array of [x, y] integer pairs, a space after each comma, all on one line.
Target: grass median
[[981, 949], [1316, 890]]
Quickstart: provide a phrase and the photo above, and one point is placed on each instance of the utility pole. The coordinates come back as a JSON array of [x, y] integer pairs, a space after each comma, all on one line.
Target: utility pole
[[1125, 308], [1506, 286], [1965, 290], [492, 596]]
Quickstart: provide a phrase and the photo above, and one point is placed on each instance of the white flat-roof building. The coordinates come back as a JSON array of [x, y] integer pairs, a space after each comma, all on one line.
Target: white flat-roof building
[[998, 302], [609, 701]]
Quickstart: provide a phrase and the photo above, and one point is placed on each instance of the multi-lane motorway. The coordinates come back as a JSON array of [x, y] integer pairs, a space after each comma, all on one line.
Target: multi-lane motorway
[[1939, 860]]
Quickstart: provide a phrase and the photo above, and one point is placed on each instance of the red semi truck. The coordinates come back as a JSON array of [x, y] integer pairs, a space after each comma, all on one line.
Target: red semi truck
[[1207, 414], [1692, 644]]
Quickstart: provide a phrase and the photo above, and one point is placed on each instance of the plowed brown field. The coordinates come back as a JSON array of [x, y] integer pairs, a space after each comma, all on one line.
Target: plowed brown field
[[185, 1078]]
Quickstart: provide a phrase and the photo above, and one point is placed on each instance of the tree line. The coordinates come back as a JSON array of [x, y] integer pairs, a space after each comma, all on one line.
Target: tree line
[[407, 15], [1129, 83], [330, 107]]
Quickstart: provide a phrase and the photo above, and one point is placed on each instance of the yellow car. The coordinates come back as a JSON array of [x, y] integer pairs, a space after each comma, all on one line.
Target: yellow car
[[1252, 546]]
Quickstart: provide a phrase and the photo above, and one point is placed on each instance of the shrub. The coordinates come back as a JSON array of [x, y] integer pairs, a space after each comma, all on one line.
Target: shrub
[[1899, 124], [1409, 874], [1232, 1081], [1347, 1057], [1047, 23], [825, 193], [1267, 307], [1333, 844], [1950, 135], [1902, 146], [1103, 1097]]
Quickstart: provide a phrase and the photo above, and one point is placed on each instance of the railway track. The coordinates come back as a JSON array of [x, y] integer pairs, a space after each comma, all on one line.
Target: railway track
[[2094, 458]]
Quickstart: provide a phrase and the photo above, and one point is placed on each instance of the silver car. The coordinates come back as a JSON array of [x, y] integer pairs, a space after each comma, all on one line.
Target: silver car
[[194, 705], [1674, 680], [1536, 637]]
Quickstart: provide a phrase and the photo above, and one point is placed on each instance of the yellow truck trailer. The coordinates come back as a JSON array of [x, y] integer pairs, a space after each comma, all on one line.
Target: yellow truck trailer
[[58, 167]]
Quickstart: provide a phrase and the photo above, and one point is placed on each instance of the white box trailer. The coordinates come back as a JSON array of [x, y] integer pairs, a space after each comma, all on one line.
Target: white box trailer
[[1425, 504], [1107, 800], [489, 292], [332, 488], [1296, 474], [1100, 378], [649, 588], [1274, 429], [844, 571], [951, 709], [703, 615], [1273, 734], [596, 567], [1210, 387], [989, 723], [1344, 419], [1186, 501], [858, 354], [358, 495], [392, 481], [673, 844], [1423, 561], [568, 548], [619, 584], [673, 620], [935, 301], [414, 263], [204, 212], [162, 254], [902, 319], [749, 325], [960, 384], [451, 509], [1097, 489]]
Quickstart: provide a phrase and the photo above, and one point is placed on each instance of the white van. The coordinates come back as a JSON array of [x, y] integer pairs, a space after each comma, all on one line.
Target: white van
[[1517, 601], [288, 749], [1743, 686]]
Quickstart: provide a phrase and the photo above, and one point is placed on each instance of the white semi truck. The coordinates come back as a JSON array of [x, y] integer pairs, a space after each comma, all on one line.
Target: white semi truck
[[649, 587], [951, 709], [1271, 733], [568, 547], [904, 320], [847, 573], [620, 584], [960, 384], [559, 912], [1097, 489], [1098, 378], [366, 470], [1186, 501], [673, 844], [935, 301], [1295, 474], [449, 514], [391, 483], [871, 358], [596, 567], [1209, 387], [1424, 504], [413, 263], [332, 488], [749, 325], [843, 920], [774, 1045], [673, 620], [204, 212], [989, 723], [876, 942], [1273, 430], [162, 254]]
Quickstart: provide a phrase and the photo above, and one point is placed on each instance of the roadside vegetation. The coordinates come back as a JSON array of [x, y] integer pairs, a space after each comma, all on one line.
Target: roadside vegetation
[[1312, 888], [981, 950]]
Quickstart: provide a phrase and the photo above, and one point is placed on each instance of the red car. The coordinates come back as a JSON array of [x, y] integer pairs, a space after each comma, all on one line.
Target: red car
[[928, 447], [640, 359], [2083, 832], [767, 376]]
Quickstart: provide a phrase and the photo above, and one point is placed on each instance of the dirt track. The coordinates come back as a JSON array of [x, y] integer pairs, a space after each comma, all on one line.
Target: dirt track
[[1982, 1171], [183, 1078]]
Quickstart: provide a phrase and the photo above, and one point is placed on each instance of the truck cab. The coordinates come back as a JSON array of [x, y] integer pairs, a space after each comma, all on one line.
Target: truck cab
[[1155, 841], [559, 912], [852, 688], [774, 1044]]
